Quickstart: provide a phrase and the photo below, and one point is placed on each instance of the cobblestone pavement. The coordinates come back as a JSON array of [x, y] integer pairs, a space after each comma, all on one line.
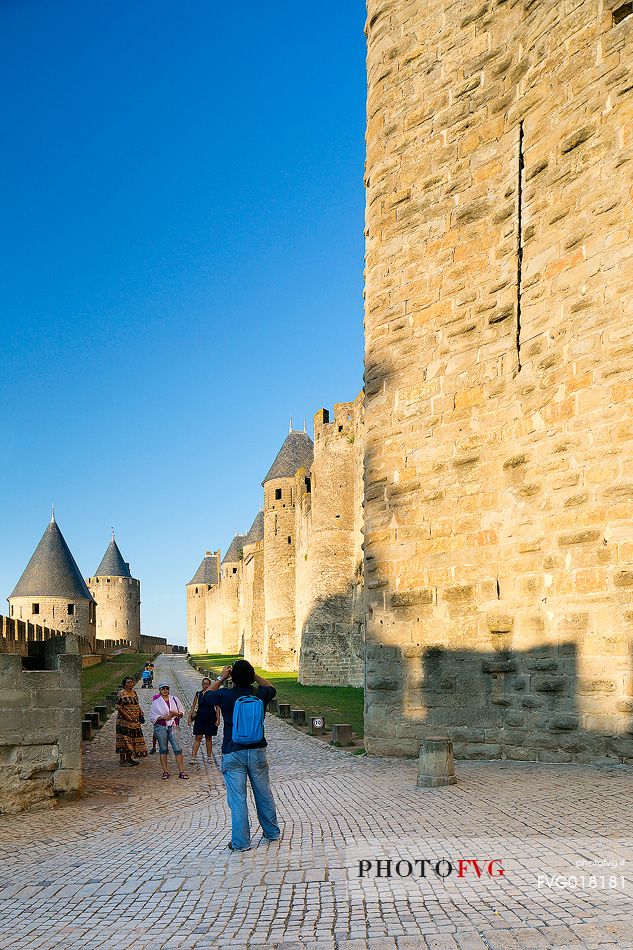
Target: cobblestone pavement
[[141, 862]]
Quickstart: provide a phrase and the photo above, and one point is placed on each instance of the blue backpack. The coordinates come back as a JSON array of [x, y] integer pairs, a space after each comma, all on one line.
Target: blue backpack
[[248, 720]]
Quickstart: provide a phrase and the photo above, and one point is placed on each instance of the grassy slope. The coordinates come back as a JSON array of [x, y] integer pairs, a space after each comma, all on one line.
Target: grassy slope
[[335, 703], [97, 681]]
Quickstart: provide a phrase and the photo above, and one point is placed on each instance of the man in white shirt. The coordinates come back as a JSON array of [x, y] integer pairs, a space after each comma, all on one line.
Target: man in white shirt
[[165, 714]]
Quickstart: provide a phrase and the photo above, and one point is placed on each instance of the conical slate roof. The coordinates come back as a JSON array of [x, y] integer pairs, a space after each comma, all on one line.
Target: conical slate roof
[[296, 452], [112, 564], [256, 531], [235, 548], [52, 571], [207, 573]]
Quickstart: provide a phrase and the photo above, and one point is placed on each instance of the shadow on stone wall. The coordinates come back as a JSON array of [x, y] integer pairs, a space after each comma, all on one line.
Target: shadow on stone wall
[[524, 705], [332, 641]]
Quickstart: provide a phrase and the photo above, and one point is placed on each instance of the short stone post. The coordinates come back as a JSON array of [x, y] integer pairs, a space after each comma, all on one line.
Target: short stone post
[[94, 719], [436, 767], [272, 706], [317, 726], [86, 729], [342, 734], [298, 717], [102, 712], [284, 710]]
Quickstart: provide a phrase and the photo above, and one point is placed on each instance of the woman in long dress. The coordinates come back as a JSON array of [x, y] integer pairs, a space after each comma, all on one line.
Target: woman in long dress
[[130, 743]]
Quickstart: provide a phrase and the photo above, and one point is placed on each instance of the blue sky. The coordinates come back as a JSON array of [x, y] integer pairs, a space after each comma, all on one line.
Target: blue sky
[[181, 255]]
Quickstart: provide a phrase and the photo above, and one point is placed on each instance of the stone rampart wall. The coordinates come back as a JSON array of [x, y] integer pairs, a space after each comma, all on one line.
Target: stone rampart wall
[[214, 639], [251, 603], [499, 388], [40, 732], [329, 576], [280, 641], [197, 617], [77, 617]]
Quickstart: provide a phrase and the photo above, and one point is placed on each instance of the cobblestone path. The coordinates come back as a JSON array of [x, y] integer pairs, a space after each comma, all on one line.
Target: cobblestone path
[[143, 863]]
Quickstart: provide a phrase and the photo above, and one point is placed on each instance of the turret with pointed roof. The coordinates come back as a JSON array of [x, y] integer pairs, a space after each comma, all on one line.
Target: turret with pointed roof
[[296, 452], [112, 563], [118, 597], [204, 580], [256, 530], [280, 642], [51, 591], [234, 553]]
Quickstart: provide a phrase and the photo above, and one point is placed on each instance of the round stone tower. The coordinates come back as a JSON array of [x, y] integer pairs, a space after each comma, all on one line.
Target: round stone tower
[[198, 587], [280, 641], [51, 592], [118, 596]]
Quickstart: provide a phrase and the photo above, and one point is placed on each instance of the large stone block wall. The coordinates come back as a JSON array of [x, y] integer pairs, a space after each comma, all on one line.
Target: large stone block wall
[[118, 608], [53, 612], [499, 388], [214, 639], [280, 642], [229, 596], [40, 733], [251, 603], [329, 557], [197, 617]]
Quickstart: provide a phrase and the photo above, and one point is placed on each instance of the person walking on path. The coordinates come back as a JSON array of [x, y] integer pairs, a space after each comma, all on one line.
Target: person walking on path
[[205, 722], [130, 743], [244, 749], [165, 714]]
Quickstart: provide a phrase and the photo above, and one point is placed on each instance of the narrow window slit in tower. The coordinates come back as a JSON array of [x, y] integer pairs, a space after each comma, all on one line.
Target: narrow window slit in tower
[[622, 12], [519, 244]]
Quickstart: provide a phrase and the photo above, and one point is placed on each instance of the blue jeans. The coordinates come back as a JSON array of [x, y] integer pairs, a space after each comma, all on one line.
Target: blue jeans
[[235, 767], [168, 737]]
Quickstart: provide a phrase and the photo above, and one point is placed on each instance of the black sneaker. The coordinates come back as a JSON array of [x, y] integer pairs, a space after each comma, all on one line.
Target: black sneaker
[[231, 848]]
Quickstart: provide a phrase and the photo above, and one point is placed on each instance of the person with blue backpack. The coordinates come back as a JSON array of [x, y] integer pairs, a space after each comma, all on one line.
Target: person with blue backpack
[[244, 749]]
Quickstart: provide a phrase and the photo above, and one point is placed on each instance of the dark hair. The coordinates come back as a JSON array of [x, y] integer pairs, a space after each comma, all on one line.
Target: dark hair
[[125, 679], [242, 673]]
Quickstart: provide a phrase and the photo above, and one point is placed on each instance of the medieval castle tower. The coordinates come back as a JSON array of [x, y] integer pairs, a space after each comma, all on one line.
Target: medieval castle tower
[[280, 642], [51, 591], [289, 594], [205, 578], [492, 595], [329, 561], [499, 335], [118, 598]]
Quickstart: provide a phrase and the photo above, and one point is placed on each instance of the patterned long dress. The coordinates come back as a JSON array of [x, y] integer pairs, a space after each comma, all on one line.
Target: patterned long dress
[[129, 735]]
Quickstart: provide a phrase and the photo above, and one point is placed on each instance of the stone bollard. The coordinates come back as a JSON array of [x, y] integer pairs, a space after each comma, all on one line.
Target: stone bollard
[[342, 734], [102, 712], [284, 710], [298, 717], [86, 729], [272, 706], [317, 726], [94, 719], [435, 765]]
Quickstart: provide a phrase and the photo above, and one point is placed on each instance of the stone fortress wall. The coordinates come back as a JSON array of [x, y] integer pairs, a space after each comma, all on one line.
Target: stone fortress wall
[[329, 575], [66, 614], [298, 572], [40, 731], [499, 390], [251, 602]]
